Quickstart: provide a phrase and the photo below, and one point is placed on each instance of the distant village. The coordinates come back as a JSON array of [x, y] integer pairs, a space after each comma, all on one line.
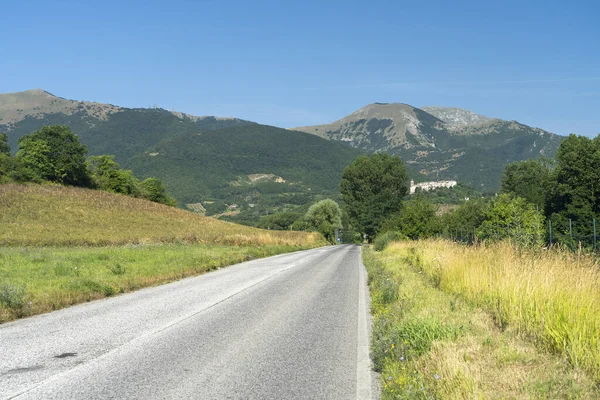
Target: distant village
[[430, 185]]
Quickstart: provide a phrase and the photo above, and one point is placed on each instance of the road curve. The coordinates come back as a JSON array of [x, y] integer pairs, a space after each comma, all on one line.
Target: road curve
[[292, 326]]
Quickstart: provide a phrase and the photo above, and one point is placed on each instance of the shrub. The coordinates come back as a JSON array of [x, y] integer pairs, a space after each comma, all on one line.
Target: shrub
[[382, 240], [153, 189]]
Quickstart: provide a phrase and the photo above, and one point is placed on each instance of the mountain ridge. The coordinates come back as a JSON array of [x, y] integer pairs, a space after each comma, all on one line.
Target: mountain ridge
[[198, 166], [455, 144], [36, 102]]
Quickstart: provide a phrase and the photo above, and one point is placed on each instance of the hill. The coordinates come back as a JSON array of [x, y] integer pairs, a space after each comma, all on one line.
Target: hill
[[205, 162], [254, 169], [445, 143], [51, 215], [61, 246]]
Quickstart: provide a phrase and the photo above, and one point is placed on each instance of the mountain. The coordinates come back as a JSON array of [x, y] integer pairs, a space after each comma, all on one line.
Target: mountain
[[105, 128], [456, 117], [222, 166], [253, 169], [242, 170], [381, 127], [441, 142]]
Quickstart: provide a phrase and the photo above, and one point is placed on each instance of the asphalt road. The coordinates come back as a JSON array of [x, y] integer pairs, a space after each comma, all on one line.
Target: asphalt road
[[294, 326]]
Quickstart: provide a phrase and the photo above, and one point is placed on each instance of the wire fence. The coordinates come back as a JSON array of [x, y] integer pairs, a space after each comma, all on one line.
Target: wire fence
[[567, 233]]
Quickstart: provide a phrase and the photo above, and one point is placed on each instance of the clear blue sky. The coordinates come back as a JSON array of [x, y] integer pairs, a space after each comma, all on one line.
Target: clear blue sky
[[291, 63]]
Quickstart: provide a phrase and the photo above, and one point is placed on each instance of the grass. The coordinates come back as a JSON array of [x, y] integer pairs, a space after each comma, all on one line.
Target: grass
[[62, 246], [38, 280], [35, 215], [432, 339]]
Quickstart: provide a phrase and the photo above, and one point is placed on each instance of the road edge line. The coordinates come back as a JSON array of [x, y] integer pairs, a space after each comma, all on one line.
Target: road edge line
[[363, 365]]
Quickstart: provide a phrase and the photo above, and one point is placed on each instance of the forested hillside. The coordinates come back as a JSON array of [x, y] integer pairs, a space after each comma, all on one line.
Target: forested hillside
[[219, 166]]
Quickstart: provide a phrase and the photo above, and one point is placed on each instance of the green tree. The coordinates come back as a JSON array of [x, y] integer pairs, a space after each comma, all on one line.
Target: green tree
[[325, 217], [465, 219], [279, 221], [575, 186], [106, 174], [576, 178], [7, 163], [416, 220], [515, 218], [372, 189], [4, 146], [154, 190], [529, 179], [54, 153]]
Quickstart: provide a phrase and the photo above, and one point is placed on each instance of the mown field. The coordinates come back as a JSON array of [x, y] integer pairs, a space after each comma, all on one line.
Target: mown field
[[61, 246], [488, 321]]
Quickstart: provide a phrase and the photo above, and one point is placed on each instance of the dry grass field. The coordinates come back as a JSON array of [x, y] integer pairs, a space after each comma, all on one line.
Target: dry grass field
[[48, 215], [487, 321], [61, 246]]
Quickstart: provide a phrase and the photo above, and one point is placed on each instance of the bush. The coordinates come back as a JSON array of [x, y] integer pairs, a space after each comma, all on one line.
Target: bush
[[515, 218], [106, 174], [154, 190], [382, 240], [417, 219]]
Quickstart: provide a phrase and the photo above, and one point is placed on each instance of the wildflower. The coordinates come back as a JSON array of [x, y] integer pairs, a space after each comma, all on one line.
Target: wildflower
[[401, 358], [389, 378], [436, 376]]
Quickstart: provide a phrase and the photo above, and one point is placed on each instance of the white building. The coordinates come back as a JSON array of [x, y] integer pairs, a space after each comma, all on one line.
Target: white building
[[430, 185]]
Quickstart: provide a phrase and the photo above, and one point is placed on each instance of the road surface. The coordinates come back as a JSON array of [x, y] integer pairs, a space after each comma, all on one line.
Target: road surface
[[294, 326]]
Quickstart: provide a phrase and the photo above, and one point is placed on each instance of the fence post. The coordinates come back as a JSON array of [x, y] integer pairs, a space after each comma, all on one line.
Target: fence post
[[550, 230], [571, 233]]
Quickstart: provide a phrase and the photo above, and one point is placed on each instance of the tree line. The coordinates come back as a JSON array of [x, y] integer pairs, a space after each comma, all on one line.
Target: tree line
[[564, 191], [54, 154]]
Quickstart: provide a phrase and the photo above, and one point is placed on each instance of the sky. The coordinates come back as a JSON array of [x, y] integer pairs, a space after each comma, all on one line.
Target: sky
[[296, 63]]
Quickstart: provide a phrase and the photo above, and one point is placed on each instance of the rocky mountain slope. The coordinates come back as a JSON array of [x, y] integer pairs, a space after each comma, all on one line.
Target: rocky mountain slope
[[456, 117], [441, 142]]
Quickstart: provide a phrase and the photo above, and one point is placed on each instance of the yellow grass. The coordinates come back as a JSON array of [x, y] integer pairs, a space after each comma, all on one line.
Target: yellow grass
[[550, 297], [61, 246], [59, 216]]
